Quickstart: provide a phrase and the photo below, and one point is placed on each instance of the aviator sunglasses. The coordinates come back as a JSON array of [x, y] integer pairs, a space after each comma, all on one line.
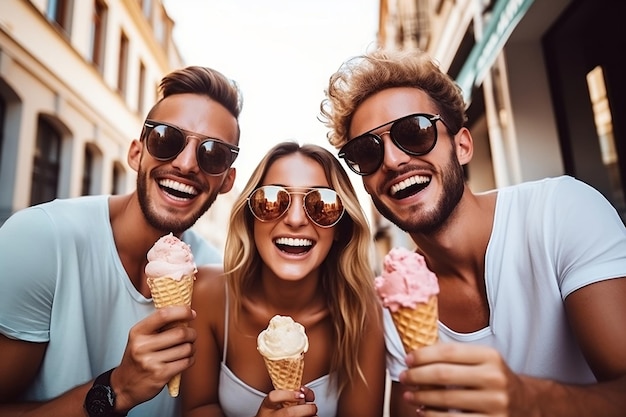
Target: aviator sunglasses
[[415, 134], [164, 142], [322, 206]]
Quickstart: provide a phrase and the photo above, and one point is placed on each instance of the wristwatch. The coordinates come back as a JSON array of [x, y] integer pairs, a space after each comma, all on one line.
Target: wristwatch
[[100, 399]]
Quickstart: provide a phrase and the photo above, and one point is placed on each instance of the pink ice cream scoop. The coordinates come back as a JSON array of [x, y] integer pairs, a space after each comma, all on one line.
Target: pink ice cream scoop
[[406, 281], [170, 257]]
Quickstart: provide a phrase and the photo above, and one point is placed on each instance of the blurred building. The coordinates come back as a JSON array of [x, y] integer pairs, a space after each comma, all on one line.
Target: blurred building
[[76, 81], [543, 84]]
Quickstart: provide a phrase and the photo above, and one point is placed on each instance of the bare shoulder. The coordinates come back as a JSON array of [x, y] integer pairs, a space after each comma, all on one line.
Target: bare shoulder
[[374, 323], [209, 288], [209, 278]]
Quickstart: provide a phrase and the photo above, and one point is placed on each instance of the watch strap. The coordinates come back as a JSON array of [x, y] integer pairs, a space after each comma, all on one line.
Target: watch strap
[[104, 379]]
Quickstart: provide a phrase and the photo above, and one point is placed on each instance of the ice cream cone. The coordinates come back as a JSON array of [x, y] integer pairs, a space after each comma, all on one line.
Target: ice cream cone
[[286, 373], [167, 291], [283, 345], [417, 327]]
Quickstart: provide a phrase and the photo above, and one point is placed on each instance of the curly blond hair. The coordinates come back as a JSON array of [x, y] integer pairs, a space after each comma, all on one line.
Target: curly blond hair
[[364, 75], [346, 274]]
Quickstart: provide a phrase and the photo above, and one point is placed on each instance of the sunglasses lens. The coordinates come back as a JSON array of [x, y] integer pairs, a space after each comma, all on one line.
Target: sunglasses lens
[[269, 202], [164, 142], [214, 157], [323, 206], [415, 134], [363, 154]]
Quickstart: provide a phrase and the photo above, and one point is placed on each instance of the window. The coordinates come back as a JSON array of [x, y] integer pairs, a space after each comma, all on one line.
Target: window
[[142, 89], [606, 136], [59, 11], [162, 27], [87, 172], [122, 65], [118, 177], [159, 30], [46, 163], [98, 31]]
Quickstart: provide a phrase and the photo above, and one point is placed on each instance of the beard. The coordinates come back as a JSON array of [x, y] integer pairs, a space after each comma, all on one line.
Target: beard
[[170, 223], [421, 221]]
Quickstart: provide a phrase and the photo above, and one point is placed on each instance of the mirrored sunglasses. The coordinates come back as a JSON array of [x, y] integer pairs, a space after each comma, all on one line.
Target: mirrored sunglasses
[[322, 206], [415, 134], [165, 142]]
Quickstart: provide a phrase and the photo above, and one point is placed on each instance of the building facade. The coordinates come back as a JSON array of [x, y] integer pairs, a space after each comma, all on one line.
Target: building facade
[[76, 81], [542, 82]]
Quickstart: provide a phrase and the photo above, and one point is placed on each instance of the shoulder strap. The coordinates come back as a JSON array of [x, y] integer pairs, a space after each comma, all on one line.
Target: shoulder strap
[[225, 324]]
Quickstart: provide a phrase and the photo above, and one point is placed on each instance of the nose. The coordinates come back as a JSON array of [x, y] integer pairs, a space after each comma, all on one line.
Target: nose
[[393, 157], [295, 215], [186, 161]]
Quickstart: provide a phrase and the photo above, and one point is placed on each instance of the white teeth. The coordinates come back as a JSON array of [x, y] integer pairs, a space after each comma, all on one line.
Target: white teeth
[[289, 241], [178, 186], [417, 179]]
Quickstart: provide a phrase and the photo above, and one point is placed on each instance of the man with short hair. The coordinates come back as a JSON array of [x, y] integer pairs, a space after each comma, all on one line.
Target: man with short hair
[[79, 334]]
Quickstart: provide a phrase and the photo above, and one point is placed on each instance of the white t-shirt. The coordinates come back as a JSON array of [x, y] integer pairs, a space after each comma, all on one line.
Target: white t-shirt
[[549, 238], [63, 283]]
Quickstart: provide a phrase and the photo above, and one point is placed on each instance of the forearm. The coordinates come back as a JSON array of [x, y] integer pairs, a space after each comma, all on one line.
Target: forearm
[[69, 404], [544, 398]]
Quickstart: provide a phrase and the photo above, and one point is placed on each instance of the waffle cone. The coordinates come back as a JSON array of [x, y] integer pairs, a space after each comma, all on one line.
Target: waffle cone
[[167, 291], [417, 327], [286, 373]]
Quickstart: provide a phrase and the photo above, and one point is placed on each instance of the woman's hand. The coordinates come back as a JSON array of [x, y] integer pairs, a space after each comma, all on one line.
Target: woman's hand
[[300, 404]]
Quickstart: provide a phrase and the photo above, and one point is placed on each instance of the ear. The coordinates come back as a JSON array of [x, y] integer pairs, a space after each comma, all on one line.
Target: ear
[[134, 154], [229, 181], [464, 146]]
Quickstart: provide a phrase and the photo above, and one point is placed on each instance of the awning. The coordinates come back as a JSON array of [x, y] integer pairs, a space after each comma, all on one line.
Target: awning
[[506, 15]]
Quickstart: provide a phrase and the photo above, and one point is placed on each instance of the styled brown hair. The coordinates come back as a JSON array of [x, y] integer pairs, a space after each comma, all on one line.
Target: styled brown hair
[[204, 81]]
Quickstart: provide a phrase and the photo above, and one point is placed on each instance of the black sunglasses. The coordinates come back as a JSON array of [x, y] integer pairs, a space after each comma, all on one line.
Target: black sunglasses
[[415, 134], [165, 141], [322, 205]]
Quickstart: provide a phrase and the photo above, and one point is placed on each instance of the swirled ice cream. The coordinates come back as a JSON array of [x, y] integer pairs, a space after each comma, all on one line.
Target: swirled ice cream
[[170, 257], [282, 345], [409, 290], [406, 281], [282, 339]]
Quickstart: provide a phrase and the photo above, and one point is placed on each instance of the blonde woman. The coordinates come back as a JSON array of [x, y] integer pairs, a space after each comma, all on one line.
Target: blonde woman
[[296, 258]]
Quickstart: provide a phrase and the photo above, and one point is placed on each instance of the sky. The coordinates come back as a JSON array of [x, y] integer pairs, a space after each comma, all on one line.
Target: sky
[[281, 53]]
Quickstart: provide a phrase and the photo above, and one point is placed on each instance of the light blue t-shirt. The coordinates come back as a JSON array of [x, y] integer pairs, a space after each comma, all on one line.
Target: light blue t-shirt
[[62, 282]]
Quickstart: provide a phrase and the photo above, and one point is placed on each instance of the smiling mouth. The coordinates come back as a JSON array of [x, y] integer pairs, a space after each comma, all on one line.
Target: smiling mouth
[[178, 190], [409, 186], [293, 245]]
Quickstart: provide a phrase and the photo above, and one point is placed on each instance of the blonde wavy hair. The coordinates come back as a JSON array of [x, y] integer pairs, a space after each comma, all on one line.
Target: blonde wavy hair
[[346, 274], [362, 76]]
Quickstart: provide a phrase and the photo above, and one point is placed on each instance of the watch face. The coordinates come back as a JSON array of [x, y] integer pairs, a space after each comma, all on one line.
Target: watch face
[[99, 401]]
